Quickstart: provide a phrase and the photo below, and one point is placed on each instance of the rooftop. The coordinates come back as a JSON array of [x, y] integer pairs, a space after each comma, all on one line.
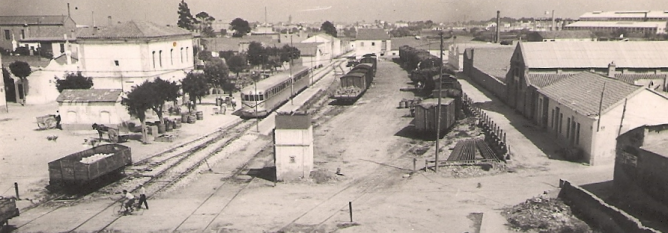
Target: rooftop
[[425, 44], [618, 24], [372, 34], [657, 147], [595, 54], [625, 14], [90, 95], [631, 78], [566, 34], [543, 80], [493, 61], [33, 20], [134, 30], [582, 92]]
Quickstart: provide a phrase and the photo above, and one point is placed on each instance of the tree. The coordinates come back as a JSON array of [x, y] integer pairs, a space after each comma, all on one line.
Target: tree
[[204, 56], [163, 91], [205, 21], [138, 101], [256, 54], [217, 73], [74, 81], [237, 63], [289, 53], [328, 28], [240, 27], [226, 55], [22, 70], [186, 20], [194, 84]]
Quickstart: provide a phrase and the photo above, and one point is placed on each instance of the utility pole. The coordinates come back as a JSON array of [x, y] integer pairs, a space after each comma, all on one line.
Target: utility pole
[[292, 86], [438, 107], [600, 106]]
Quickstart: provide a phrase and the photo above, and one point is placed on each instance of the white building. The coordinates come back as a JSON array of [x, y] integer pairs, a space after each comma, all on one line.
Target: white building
[[293, 146], [43, 80], [375, 41], [127, 54], [588, 111], [332, 44], [653, 22], [79, 109]]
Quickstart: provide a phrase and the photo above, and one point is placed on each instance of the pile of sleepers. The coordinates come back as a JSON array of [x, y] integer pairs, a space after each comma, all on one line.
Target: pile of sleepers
[[472, 151]]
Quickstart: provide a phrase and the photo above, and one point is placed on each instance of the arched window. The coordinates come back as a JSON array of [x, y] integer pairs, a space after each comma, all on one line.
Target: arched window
[[153, 59], [160, 58], [171, 56]]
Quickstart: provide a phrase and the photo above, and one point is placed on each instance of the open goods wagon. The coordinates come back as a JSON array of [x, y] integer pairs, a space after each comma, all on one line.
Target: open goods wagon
[[426, 115], [85, 166], [7, 210], [354, 84]]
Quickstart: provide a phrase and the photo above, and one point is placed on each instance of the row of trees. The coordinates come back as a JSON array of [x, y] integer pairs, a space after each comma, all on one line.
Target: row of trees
[[202, 22]]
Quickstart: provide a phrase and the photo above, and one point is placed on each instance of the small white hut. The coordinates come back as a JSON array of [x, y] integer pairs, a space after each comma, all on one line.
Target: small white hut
[[79, 109], [293, 148]]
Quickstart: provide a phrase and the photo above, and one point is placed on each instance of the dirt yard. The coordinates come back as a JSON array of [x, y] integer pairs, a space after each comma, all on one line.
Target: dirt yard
[[369, 144]]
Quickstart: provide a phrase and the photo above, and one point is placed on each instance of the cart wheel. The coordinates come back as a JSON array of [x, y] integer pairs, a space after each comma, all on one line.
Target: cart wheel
[[50, 123], [41, 125], [113, 135]]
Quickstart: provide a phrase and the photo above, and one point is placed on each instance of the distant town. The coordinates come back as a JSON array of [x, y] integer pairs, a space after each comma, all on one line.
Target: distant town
[[223, 125]]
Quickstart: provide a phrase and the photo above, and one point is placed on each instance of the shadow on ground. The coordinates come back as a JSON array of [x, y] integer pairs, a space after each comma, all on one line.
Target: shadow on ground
[[265, 173], [539, 137]]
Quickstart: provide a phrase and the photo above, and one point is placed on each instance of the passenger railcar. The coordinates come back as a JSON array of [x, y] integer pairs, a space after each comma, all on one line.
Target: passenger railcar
[[267, 95]]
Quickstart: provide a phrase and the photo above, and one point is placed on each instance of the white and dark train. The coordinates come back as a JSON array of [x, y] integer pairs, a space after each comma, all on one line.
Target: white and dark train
[[267, 95]]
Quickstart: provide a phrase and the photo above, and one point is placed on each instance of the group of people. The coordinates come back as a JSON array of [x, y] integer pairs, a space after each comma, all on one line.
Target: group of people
[[129, 199], [223, 105]]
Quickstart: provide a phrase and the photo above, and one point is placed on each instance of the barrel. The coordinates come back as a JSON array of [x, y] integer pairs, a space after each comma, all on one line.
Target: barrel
[[200, 115], [177, 124], [154, 131], [191, 119], [184, 117]]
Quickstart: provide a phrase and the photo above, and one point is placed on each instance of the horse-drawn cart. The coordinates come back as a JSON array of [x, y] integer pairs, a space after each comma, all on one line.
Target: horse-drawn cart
[[114, 134], [46, 121], [7, 210]]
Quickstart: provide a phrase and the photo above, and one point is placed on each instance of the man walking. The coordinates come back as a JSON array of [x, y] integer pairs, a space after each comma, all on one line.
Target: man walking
[[142, 197], [58, 120]]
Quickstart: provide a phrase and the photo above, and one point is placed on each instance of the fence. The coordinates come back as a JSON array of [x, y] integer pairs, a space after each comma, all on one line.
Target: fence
[[494, 135], [594, 210]]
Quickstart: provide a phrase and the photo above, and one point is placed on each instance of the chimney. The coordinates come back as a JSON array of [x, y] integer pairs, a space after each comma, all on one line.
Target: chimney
[[68, 10], [110, 22], [611, 69], [498, 27]]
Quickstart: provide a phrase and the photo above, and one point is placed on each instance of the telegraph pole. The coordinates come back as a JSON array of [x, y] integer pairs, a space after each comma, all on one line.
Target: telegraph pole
[[438, 107], [292, 86]]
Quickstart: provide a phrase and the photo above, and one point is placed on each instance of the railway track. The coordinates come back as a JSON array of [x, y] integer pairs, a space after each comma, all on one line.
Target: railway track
[[171, 165]]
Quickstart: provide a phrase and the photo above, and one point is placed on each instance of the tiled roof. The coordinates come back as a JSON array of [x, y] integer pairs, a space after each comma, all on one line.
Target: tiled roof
[[305, 49], [595, 54], [582, 92], [51, 34], [33, 20], [90, 95], [493, 61], [134, 29], [372, 34], [617, 24], [221, 44], [631, 78], [566, 34], [543, 80]]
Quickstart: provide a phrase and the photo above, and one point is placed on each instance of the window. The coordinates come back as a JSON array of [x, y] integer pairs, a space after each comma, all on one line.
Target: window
[[153, 59], [23, 34], [160, 58], [171, 56], [568, 128], [373, 43], [361, 44], [116, 62], [62, 48], [552, 120], [187, 54], [561, 121], [181, 55], [7, 35], [292, 159]]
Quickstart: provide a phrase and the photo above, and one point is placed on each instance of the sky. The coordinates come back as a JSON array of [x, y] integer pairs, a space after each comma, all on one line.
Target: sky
[[337, 11]]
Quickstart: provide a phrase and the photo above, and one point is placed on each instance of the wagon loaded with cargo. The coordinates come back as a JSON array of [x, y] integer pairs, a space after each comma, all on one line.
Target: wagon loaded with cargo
[[7, 210], [89, 166], [353, 85]]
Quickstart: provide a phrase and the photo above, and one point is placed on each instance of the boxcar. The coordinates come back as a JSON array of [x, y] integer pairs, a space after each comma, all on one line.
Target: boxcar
[[354, 83], [88, 165], [426, 115]]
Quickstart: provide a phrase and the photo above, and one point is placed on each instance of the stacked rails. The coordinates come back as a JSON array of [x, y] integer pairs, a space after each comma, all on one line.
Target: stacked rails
[[466, 150]]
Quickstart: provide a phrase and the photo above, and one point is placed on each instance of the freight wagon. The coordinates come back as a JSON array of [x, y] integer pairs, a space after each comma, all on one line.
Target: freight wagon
[[370, 59], [354, 84], [426, 115], [7, 210], [89, 165]]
